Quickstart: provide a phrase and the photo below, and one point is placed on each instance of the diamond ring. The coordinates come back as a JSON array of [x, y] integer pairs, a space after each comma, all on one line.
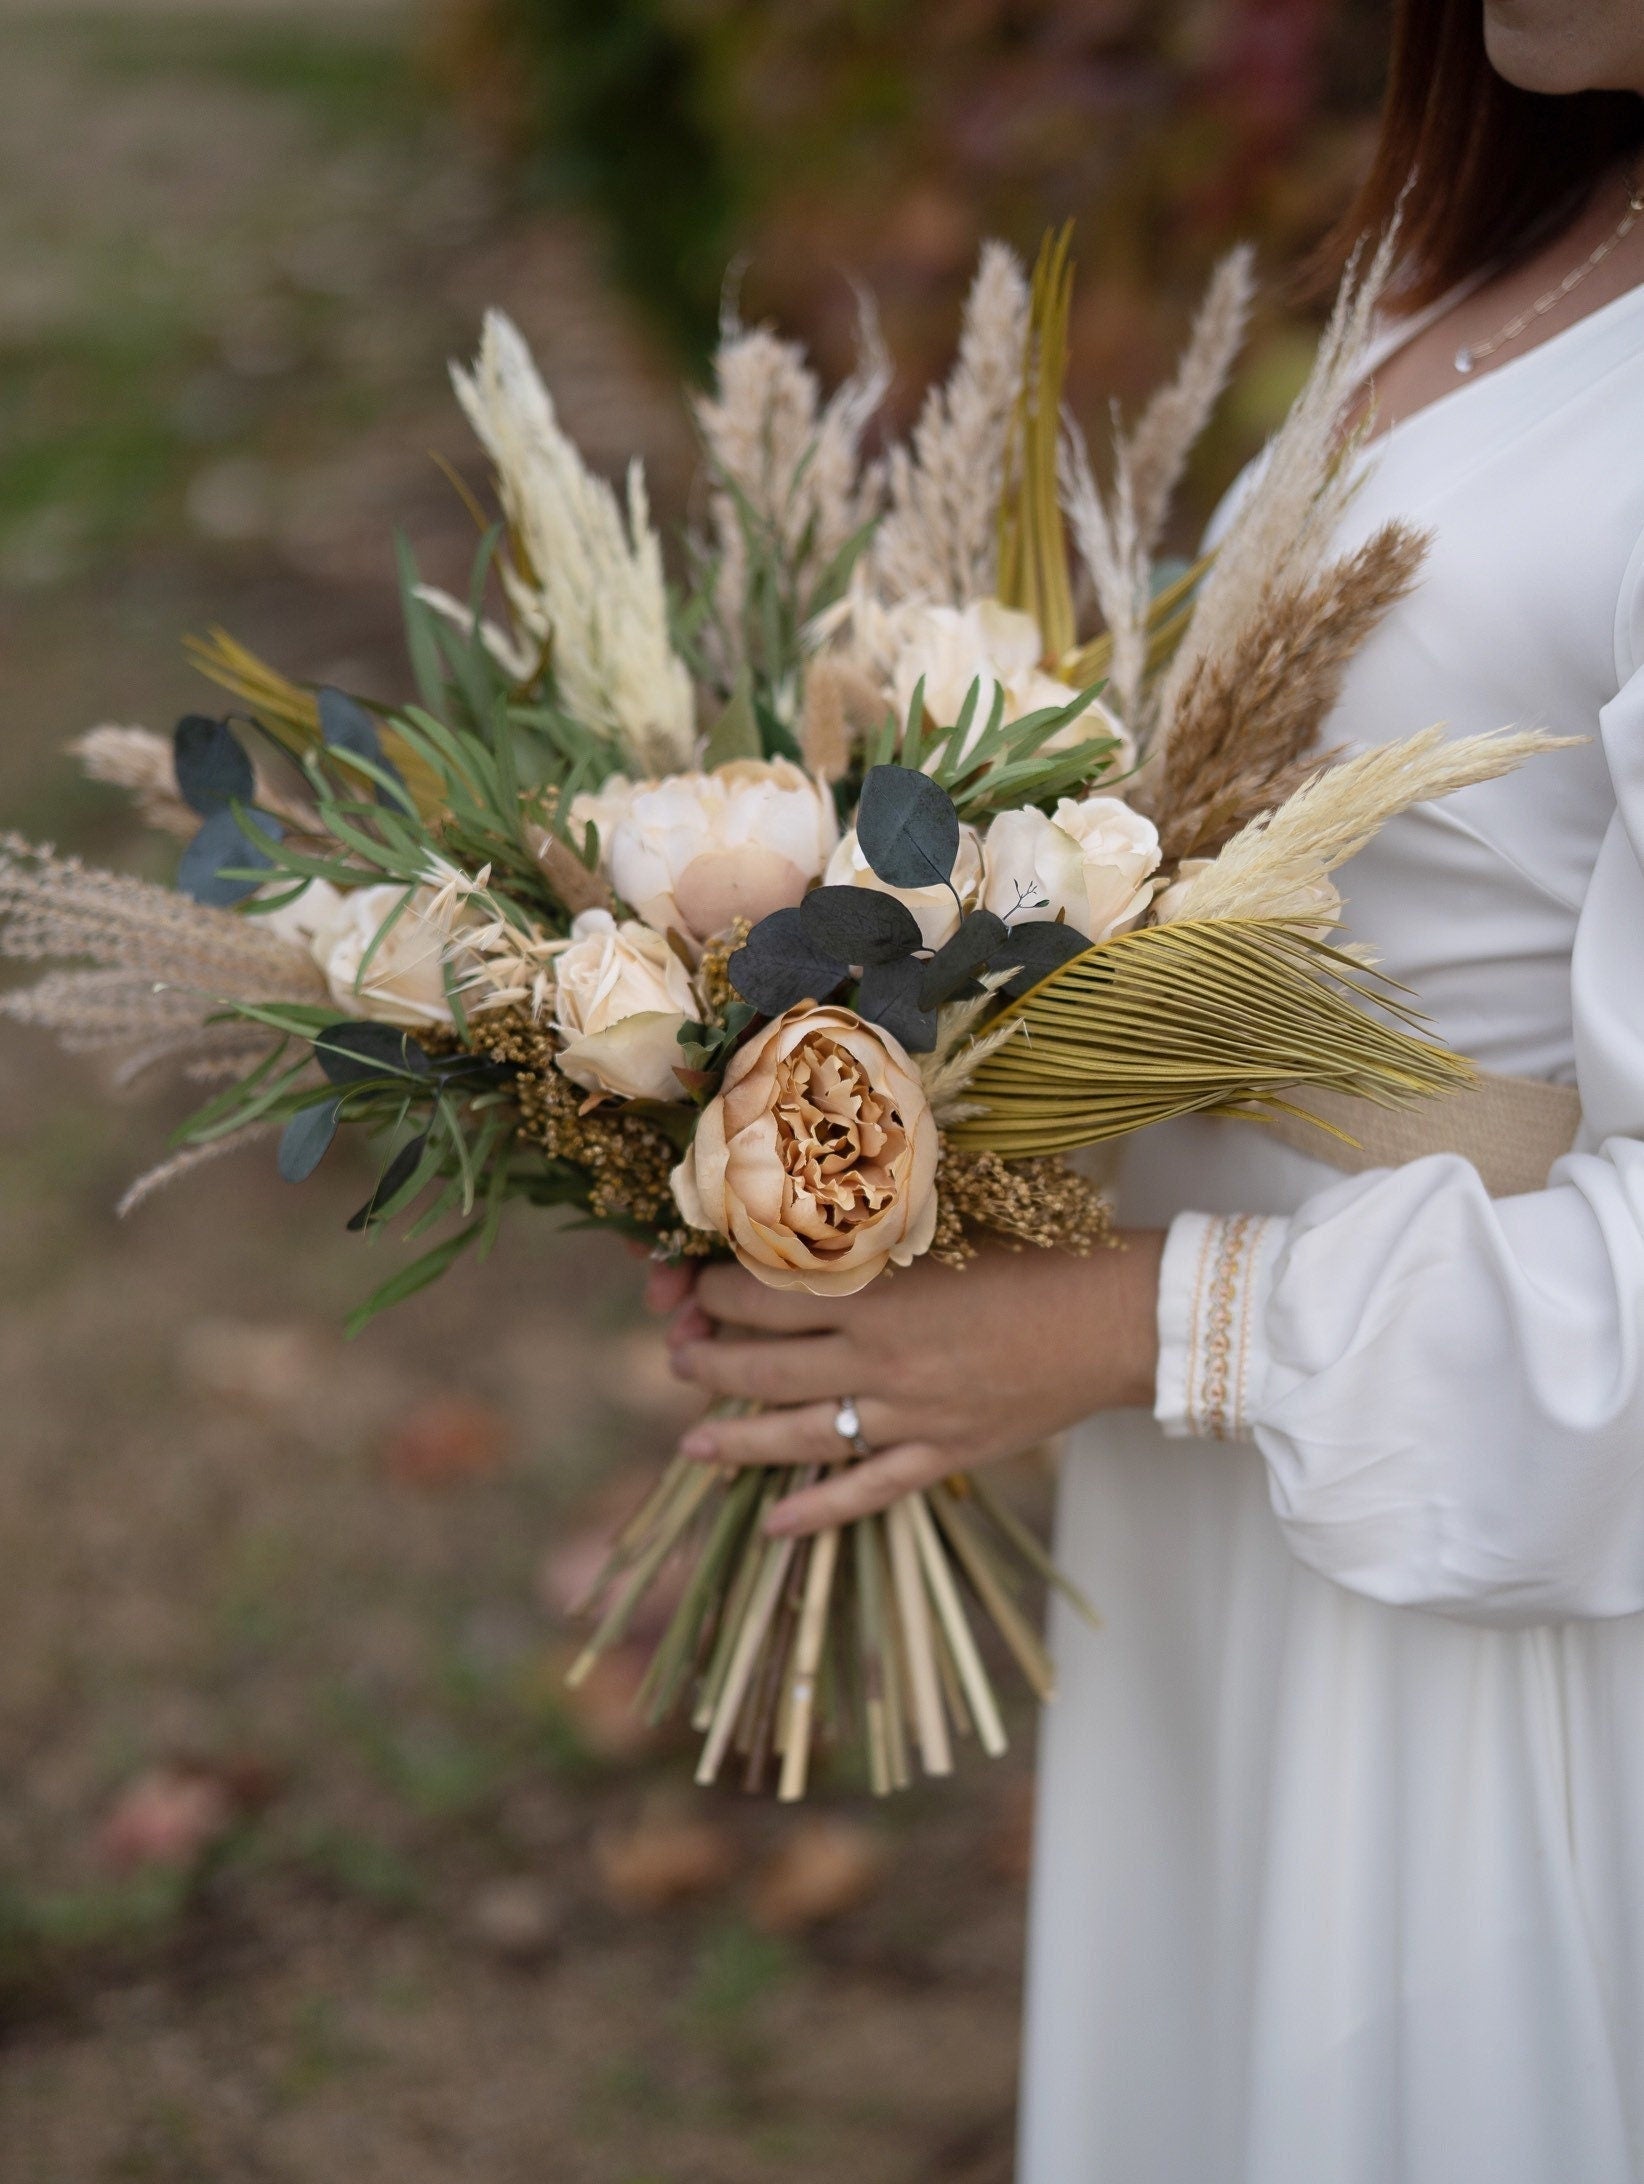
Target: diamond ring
[[847, 1423]]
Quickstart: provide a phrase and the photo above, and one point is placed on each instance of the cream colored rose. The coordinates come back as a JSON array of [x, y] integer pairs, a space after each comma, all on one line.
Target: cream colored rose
[[404, 982], [694, 852], [949, 648], [304, 915], [934, 908], [1091, 864], [817, 1161], [620, 997]]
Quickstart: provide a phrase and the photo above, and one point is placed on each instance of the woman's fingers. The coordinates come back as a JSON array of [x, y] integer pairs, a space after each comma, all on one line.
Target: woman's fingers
[[729, 1292], [859, 1490], [667, 1287], [805, 1369], [805, 1434]]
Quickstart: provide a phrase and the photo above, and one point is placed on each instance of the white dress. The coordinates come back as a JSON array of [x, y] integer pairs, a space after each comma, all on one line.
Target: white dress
[[1340, 1871]]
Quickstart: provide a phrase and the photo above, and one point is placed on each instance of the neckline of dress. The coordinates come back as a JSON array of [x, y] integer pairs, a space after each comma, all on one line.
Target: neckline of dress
[[1387, 345]]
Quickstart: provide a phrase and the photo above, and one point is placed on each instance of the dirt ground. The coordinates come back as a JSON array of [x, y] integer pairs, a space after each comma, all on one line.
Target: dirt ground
[[308, 1866]]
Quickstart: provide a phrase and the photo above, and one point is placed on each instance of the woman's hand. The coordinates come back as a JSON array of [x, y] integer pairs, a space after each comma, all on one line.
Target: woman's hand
[[949, 1368]]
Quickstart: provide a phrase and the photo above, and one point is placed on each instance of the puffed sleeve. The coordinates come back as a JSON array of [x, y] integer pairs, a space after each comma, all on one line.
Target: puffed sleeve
[[1448, 1390]]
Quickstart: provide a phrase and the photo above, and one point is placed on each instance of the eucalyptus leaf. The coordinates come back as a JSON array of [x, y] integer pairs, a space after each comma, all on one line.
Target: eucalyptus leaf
[[394, 1177], [353, 1051], [345, 725], [1039, 946], [858, 925], [214, 866], [777, 967], [965, 956], [212, 770], [889, 997], [906, 827], [306, 1141]]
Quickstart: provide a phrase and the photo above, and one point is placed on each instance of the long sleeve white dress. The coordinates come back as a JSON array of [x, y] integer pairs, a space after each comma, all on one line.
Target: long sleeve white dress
[[1340, 1865]]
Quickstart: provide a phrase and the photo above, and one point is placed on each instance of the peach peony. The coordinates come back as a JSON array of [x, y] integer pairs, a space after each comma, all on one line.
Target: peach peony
[[817, 1160]]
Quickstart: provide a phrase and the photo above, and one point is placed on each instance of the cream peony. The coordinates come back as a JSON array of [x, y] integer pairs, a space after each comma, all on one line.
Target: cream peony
[[934, 908], [620, 997], [694, 852], [950, 648], [404, 983], [817, 1161], [1091, 864]]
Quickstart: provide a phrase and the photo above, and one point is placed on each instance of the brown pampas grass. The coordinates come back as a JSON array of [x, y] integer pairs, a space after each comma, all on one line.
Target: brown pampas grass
[[841, 704], [1248, 714], [1297, 497], [1271, 869]]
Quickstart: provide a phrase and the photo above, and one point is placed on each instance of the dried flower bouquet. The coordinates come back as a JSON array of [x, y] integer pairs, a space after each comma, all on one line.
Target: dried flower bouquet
[[811, 914]]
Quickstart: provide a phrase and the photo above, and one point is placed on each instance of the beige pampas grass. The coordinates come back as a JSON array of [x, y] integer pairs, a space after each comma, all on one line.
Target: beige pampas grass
[[588, 573], [1248, 715], [842, 702], [794, 459], [1272, 868], [140, 762], [185, 1162], [1294, 503], [1155, 454], [939, 539], [1116, 533], [56, 906]]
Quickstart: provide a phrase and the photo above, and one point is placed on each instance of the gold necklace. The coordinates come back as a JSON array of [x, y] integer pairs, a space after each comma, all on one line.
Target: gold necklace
[[1472, 353]]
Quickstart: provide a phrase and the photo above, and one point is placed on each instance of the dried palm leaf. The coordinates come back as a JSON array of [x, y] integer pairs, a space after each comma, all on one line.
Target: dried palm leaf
[[1193, 1018], [1032, 560]]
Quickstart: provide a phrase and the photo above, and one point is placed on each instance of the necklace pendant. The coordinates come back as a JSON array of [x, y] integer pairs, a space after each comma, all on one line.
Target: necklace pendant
[[1464, 360]]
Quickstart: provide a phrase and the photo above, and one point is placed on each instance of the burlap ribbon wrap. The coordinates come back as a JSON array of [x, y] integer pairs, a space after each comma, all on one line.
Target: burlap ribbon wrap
[[1512, 1129]]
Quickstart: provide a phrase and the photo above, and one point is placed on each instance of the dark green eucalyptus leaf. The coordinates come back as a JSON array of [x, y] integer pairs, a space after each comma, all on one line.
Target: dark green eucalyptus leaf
[[858, 925], [394, 1177], [1039, 946], [353, 1051], [306, 1141], [221, 849], [212, 770], [965, 956], [907, 827], [889, 997], [345, 725], [777, 967]]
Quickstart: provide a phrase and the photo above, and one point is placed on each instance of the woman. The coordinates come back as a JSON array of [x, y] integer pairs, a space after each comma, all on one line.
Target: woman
[[1341, 1853]]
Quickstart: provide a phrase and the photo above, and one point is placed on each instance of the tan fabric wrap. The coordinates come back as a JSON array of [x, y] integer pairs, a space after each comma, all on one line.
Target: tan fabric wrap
[[1512, 1129]]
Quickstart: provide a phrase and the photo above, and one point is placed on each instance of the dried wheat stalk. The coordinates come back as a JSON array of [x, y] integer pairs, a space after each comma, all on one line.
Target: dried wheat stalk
[[1155, 454], [1249, 715]]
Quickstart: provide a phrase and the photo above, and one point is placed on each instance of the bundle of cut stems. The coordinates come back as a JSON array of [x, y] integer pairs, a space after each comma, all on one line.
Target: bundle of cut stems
[[779, 1646]]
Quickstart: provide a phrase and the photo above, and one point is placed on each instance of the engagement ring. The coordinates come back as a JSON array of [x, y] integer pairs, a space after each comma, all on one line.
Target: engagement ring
[[847, 1423]]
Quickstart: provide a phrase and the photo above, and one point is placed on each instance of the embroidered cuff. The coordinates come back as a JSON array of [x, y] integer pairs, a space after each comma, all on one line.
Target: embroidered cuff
[[1212, 1296]]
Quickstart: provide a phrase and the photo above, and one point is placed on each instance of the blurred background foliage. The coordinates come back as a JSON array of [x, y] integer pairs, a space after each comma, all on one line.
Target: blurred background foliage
[[309, 1864], [813, 144]]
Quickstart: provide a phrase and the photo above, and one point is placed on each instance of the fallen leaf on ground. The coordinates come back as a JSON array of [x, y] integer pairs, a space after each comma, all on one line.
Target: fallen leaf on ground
[[823, 1868], [174, 1814], [446, 1441], [662, 1859]]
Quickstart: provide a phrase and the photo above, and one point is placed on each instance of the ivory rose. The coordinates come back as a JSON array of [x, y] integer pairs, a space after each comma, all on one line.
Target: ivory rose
[[817, 1160], [1091, 864], [620, 997], [404, 983], [694, 852], [934, 908], [949, 648]]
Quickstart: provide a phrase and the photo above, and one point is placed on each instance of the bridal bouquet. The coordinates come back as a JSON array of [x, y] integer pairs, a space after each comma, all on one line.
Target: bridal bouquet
[[812, 911]]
